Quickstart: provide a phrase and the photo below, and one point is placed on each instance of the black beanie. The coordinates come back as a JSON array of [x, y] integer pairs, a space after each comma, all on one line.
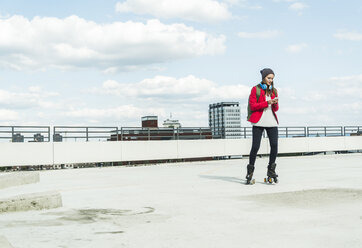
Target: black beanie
[[265, 72]]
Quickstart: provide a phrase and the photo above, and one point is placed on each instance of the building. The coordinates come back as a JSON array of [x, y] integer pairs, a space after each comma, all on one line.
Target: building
[[150, 121], [224, 120], [171, 123], [150, 131]]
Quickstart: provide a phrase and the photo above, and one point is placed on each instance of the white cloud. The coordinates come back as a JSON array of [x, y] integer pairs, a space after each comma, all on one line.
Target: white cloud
[[187, 89], [346, 86], [296, 48], [3, 16], [338, 103], [259, 35], [288, 1], [298, 6], [353, 36], [256, 7], [118, 113], [77, 43], [34, 97], [315, 96], [298, 110], [187, 98], [200, 10], [294, 5], [8, 115], [235, 2], [130, 115], [347, 80]]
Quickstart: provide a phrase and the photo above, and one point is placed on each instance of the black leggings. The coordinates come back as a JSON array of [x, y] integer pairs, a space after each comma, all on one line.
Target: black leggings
[[273, 141]]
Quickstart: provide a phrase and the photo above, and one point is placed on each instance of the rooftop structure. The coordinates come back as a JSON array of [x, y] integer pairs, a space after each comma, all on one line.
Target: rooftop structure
[[150, 121], [171, 123], [317, 203]]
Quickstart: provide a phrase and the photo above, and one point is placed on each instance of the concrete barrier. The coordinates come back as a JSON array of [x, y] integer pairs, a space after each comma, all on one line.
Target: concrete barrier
[[37, 201], [18, 178], [23, 154], [12, 154]]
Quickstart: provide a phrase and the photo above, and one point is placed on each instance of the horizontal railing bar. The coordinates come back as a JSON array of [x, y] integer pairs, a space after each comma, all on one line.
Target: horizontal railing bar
[[82, 127], [79, 132]]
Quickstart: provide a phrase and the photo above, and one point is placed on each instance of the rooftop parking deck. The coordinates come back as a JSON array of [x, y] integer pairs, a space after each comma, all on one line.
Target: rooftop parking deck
[[318, 203]]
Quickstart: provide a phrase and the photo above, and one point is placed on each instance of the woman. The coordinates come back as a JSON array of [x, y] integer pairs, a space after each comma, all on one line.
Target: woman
[[263, 103]]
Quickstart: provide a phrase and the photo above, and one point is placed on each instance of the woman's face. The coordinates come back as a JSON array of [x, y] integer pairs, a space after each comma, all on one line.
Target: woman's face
[[268, 79]]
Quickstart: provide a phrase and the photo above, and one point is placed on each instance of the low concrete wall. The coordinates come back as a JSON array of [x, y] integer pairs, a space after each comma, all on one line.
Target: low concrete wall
[[19, 178], [11, 154], [30, 153], [37, 201]]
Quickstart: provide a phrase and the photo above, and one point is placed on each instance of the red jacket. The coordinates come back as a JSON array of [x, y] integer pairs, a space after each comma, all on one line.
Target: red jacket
[[257, 107]]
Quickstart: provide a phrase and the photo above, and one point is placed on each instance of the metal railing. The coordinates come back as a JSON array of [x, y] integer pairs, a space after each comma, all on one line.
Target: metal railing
[[352, 130], [312, 131], [99, 133], [139, 133], [82, 133], [291, 132], [324, 131], [25, 133]]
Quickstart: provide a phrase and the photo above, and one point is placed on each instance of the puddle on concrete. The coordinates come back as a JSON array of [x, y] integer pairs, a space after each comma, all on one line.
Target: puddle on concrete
[[81, 216], [309, 198], [93, 215], [115, 232]]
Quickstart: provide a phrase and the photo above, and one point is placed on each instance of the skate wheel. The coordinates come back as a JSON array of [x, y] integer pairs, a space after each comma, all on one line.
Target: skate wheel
[[265, 180], [270, 180], [253, 181]]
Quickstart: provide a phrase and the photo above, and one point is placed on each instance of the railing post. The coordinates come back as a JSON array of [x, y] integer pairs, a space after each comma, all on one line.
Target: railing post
[[12, 132], [149, 135], [121, 133], [307, 132], [286, 132], [200, 133], [86, 131], [325, 131]]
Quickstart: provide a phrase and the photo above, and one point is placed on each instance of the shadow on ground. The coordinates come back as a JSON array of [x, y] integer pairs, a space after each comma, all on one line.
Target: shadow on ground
[[227, 179]]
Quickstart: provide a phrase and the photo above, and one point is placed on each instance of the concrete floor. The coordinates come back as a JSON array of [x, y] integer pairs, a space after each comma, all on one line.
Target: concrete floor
[[317, 203]]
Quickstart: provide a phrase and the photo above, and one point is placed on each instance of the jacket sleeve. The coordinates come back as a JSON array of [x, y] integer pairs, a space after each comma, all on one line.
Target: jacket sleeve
[[275, 106], [254, 105]]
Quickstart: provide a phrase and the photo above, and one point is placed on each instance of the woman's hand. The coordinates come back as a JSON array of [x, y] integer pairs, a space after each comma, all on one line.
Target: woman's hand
[[273, 101]]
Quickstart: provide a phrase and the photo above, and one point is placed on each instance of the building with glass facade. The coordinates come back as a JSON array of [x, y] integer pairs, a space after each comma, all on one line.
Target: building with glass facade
[[224, 120]]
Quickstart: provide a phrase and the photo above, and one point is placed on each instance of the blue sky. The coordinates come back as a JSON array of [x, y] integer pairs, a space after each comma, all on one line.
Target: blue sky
[[111, 62]]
